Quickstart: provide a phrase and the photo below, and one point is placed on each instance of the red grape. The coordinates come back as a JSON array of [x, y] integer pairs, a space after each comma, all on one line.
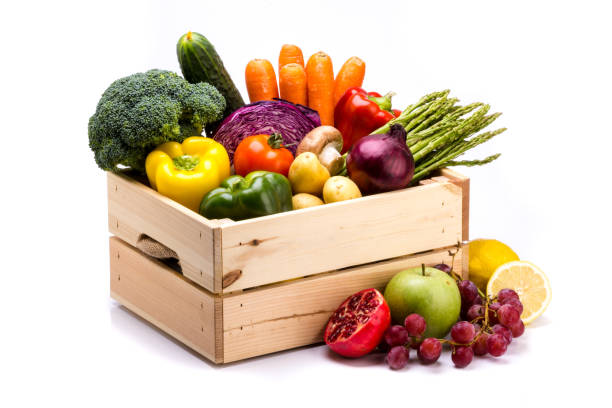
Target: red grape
[[506, 294], [493, 308], [504, 331], [462, 356], [463, 332], [429, 350], [516, 304], [415, 324], [508, 315], [517, 329], [478, 300], [396, 336], [480, 345], [443, 267], [496, 345], [398, 357], [475, 311], [468, 291]]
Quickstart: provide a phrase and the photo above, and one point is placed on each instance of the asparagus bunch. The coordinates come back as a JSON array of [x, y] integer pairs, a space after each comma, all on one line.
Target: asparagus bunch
[[439, 130]]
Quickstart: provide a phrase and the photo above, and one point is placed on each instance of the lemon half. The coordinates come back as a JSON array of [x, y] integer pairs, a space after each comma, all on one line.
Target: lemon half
[[531, 284]]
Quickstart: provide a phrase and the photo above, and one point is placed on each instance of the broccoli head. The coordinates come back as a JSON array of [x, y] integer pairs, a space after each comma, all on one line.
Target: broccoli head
[[141, 111]]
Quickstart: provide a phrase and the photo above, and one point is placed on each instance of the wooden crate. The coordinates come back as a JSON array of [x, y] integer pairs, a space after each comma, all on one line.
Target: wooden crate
[[252, 322], [225, 256], [258, 286]]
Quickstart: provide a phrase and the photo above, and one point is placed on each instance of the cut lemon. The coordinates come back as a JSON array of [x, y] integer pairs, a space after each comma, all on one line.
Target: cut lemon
[[532, 286]]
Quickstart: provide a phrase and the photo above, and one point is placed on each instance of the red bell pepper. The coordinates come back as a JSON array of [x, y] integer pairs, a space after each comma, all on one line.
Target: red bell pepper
[[359, 113]]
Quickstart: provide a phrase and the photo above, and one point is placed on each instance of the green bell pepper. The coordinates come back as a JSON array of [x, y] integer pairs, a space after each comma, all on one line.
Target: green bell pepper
[[259, 193]]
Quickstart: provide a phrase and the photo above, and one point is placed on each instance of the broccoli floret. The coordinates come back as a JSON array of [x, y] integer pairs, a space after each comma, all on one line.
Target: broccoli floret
[[141, 111]]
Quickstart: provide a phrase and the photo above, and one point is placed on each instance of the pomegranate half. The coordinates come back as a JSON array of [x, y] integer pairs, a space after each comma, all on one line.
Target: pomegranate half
[[358, 325]]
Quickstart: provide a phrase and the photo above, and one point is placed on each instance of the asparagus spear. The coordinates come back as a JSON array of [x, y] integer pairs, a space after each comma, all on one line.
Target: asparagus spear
[[439, 130]]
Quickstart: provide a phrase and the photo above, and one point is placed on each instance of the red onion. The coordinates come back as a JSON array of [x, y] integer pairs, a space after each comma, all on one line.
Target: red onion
[[378, 163]]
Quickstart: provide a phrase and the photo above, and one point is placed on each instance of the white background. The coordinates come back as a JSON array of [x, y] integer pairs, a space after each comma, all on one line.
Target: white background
[[545, 64]]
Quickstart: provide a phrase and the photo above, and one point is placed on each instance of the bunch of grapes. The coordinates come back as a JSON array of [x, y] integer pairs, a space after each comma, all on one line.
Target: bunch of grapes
[[488, 325]]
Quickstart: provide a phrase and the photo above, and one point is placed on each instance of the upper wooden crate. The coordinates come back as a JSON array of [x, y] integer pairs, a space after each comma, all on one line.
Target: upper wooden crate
[[226, 256]]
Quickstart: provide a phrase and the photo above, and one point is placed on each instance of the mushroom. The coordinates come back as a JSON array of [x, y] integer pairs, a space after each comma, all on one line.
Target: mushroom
[[326, 143]]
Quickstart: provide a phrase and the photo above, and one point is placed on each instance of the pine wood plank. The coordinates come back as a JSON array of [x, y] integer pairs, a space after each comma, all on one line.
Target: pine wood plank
[[135, 209], [463, 182], [166, 299], [319, 239]]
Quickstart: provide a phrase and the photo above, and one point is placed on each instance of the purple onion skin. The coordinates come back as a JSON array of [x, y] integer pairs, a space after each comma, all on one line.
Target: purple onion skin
[[379, 163], [292, 121]]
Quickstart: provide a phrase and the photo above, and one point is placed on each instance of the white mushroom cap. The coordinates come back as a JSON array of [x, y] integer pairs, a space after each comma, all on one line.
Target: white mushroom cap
[[326, 143]]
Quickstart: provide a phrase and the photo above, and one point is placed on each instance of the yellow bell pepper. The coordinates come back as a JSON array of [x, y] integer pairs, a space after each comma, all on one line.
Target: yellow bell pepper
[[186, 171]]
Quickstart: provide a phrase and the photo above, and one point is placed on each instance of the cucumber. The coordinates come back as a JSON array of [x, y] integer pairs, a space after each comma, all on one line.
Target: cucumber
[[200, 63]]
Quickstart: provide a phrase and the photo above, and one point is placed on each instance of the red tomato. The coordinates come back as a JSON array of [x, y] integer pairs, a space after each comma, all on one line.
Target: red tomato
[[262, 152]]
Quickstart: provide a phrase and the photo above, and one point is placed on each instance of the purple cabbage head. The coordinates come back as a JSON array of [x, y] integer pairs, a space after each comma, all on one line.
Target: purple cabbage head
[[292, 121]]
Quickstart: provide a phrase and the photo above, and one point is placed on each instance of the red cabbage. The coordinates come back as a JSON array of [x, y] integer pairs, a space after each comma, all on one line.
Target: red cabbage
[[293, 122]]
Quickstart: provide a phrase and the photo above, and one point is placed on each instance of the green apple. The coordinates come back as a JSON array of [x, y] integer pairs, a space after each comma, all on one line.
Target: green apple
[[429, 292]]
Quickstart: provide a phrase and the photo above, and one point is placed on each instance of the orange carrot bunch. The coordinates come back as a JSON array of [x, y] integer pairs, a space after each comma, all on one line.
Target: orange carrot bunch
[[313, 84]]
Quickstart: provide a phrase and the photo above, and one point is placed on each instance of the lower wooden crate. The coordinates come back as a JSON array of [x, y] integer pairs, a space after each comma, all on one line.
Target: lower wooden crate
[[235, 326]]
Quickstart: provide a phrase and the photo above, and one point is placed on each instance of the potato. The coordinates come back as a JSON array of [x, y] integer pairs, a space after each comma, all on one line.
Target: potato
[[340, 188], [304, 200]]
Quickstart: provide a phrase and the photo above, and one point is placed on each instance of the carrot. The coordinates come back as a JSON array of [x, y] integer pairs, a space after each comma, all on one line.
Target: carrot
[[351, 74], [290, 53], [292, 83], [260, 80], [320, 83]]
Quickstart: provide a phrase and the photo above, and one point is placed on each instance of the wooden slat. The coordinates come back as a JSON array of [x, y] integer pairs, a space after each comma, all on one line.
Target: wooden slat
[[135, 209], [166, 299], [463, 182], [294, 313], [319, 239]]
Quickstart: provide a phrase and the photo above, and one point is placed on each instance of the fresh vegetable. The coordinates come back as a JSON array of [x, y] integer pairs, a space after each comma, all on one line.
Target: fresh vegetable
[[351, 75], [326, 143], [358, 325], [340, 188], [262, 152], [303, 200], [320, 75], [379, 163], [439, 130], [259, 193], [260, 80], [292, 83], [358, 114], [200, 62], [290, 54], [293, 122], [141, 111], [186, 172], [307, 174]]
